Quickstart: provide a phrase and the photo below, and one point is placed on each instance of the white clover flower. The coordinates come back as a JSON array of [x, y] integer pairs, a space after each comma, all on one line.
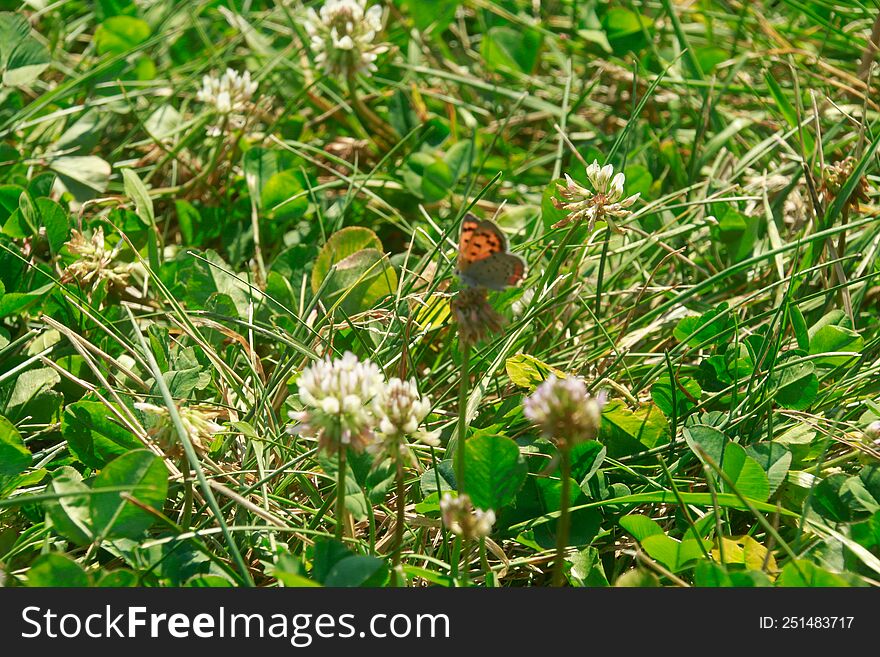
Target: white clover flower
[[462, 519], [198, 423], [339, 398], [342, 36], [564, 411], [231, 92], [401, 410], [230, 95], [94, 261], [873, 430], [602, 203]]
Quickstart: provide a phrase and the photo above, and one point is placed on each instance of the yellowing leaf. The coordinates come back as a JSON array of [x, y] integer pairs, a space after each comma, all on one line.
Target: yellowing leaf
[[433, 313], [746, 551], [529, 372], [342, 244], [628, 432]]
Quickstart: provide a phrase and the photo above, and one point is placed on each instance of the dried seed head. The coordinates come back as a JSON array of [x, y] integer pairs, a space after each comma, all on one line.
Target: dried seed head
[[198, 422], [94, 261], [474, 315], [835, 177]]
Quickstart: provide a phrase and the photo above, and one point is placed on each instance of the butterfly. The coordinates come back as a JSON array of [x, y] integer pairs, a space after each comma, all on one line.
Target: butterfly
[[483, 258]]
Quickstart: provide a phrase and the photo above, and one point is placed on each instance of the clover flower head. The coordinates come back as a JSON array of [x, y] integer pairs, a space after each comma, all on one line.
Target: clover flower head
[[342, 36], [564, 411], [95, 262], [873, 430], [231, 95], [339, 398], [198, 422], [401, 410], [344, 151], [230, 92], [462, 519], [475, 316], [834, 178], [604, 202]]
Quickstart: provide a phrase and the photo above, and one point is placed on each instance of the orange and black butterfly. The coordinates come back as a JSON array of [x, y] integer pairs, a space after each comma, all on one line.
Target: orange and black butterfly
[[483, 258]]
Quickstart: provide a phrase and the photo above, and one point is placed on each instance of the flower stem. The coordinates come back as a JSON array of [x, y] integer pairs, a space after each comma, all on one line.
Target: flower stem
[[564, 524], [397, 574], [465, 562], [340, 493], [186, 516], [455, 559], [460, 437], [381, 131], [484, 564], [601, 275]]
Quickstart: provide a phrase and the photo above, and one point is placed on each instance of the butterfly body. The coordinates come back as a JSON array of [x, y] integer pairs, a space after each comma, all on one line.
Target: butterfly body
[[483, 256]]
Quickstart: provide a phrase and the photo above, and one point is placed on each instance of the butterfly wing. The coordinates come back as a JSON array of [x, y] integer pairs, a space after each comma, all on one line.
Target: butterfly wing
[[479, 240], [483, 258], [495, 272], [469, 225]]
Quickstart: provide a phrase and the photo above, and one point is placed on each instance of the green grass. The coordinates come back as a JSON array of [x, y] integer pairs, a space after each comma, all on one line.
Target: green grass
[[733, 320]]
